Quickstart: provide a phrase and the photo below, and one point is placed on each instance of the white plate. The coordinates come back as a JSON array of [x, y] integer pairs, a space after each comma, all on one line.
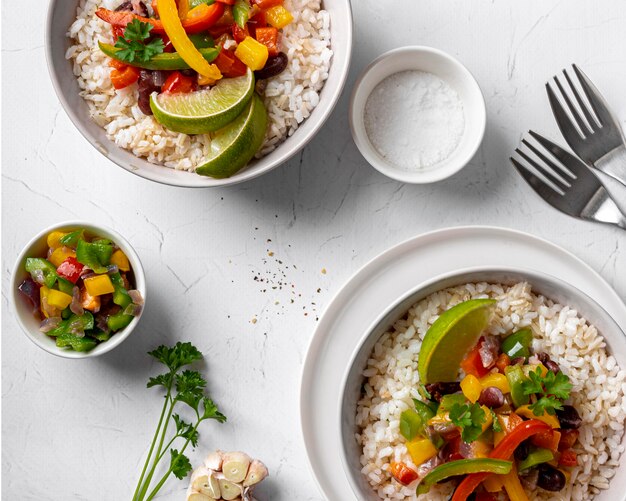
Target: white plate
[[379, 283]]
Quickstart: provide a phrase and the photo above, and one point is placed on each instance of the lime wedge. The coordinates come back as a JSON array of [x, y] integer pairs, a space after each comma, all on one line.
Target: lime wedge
[[448, 340], [206, 110], [234, 146]]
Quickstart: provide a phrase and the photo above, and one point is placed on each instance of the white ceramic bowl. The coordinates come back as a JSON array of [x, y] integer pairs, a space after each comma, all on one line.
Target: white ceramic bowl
[[62, 13], [541, 283], [449, 70], [38, 247]]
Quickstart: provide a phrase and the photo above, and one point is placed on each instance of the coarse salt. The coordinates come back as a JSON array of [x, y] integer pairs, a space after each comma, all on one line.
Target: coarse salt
[[414, 119]]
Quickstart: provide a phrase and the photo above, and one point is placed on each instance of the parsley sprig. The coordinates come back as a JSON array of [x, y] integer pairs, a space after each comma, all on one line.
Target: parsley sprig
[[550, 390], [133, 46], [470, 418], [497, 427], [181, 387]]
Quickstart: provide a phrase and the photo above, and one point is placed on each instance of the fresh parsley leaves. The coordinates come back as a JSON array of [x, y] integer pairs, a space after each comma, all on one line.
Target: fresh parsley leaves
[[133, 46], [470, 418], [181, 386], [497, 427], [551, 390]]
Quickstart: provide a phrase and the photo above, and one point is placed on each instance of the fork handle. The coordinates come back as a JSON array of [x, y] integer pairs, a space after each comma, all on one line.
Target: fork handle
[[614, 164]]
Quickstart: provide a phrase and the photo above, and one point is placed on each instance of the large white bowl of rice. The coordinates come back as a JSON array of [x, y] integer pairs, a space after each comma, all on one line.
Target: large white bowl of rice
[[299, 100], [578, 334]]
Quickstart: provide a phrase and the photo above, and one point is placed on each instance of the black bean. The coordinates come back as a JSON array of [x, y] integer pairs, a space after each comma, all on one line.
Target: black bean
[[274, 66], [522, 451], [491, 397], [147, 85], [569, 418], [553, 366], [438, 390], [550, 478]]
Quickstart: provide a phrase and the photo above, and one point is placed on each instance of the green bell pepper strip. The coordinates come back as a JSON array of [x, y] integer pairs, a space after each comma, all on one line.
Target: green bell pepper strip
[[120, 295], [72, 238], [65, 286], [95, 255], [536, 457], [118, 321], [35, 264], [426, 410], [165, 61], [202, 40], [463, 467], [241, 12], [518, 344], [76, 343], [448, 401], [515, 376]]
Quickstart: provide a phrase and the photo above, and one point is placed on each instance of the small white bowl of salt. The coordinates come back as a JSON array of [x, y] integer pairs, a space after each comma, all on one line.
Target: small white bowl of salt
[[417, 115]]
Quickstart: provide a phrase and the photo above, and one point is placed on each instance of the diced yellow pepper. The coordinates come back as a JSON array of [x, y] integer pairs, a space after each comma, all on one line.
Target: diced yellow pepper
[[488, 417], [421, 450], [526, 412], [121, 261], [493, 483], [98, 285], [59, 299], [471, 387], [481, 449], [252, 53], [496, 380], [513, 486], [532, 368], [60, 254], [278, 17], [54, 238], [43, 294]]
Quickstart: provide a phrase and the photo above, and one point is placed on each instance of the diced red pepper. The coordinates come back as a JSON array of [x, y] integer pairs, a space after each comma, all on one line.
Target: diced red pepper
[[226, 2], [502, 362], [177, 82], [472, 363], [118, 32], [568, 458], [229, 64], [199, 19], [121, 78], [70, 269], [547, 440], [267, 4], [269, 38], [402, 473], [258, 20], [168, 46], [240, 34], [118, 65], [224, 23], [568, 439]]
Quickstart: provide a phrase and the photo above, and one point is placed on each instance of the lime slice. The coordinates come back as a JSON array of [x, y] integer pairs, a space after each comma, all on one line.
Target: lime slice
[[452, 335], [206, 110], [234, 146]]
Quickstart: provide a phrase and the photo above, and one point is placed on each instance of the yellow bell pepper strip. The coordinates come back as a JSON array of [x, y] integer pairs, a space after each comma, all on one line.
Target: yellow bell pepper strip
[[60, 254], [99, 285], [513, 486], [278, 17], [53, 239], [496, 380], [463, 467], [181, 41], [183, 9], [471, 387], [421, 450], [59, 299], [493, 483], [488, 418], [43, 299], [252, 53], [120, 260], [526, 412]]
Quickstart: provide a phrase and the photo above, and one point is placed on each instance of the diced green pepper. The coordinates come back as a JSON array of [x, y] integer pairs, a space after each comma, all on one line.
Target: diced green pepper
[[241, 12], [86, 320], [66, 313], [515, 376], [76, 343], [536, 457], [518, 344], [447, 401], [100, 335], [65, 286], [72, 238], [34, 265], [426, 410], [165, 61], [118, 321], [120, 295], [411, 424], [463, 467], [97, 256]]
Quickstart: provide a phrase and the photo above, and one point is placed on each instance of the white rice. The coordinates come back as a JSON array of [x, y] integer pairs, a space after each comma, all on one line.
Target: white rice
[[289, 97], [598, 393]]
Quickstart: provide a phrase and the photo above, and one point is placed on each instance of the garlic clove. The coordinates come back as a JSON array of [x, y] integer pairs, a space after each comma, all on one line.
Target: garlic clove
[[230, 490], [204, 481], [197, 496], [213, 461], [256, 473], [235, 466]]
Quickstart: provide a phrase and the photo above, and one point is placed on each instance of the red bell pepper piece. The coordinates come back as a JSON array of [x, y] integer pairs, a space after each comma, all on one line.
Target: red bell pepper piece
[[402, 473], [224, 23], [258, 20], [199, 19], [267, 4], [568, 439], [177, 82], [229, 64], [473, 364], [70, 269], [547, 440], [124, 77], [118, 65], [568, 458], [226, 2], [504, 450], [269, 38], [240, 34]]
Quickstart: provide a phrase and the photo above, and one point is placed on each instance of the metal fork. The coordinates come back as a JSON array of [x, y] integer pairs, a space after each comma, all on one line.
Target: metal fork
[[565, 182], [590, 128]]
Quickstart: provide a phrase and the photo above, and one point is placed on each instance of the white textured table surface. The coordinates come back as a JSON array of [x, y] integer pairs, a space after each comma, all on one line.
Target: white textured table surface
[[76, 430]]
